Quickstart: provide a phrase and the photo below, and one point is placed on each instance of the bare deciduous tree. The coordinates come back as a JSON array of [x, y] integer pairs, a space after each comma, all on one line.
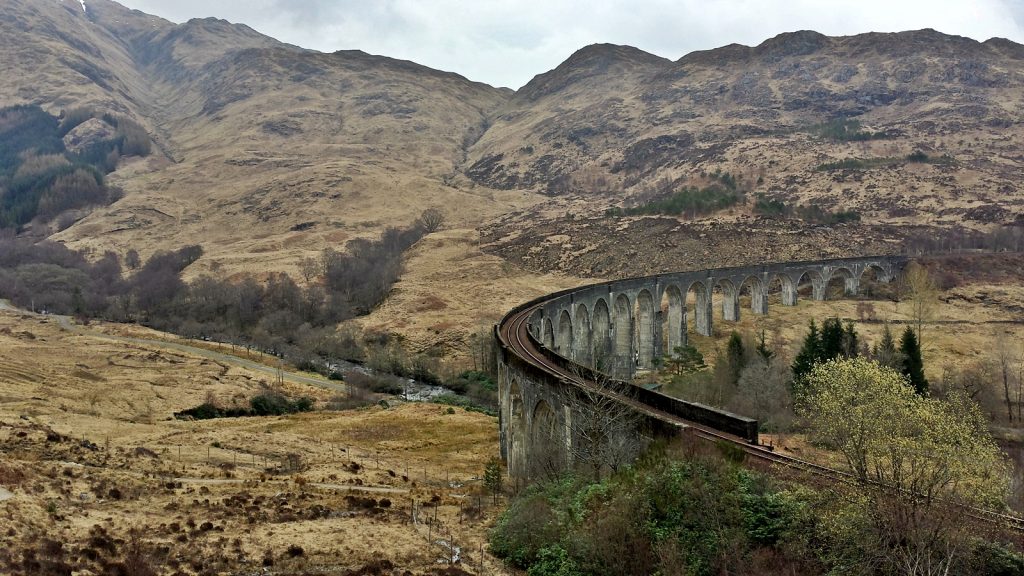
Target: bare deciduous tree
[[1004, 357], [132, 260], [310, 268], [605, 428], [1020, 385], [431, 220], [923, 296], [329, 258], [763, 393]]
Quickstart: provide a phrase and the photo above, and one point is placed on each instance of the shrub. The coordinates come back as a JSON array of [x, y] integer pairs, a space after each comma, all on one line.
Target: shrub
[[846, 130], [294, 551], [272, 404], [691, 201], [553, 561], [770, 207], [265, 404]]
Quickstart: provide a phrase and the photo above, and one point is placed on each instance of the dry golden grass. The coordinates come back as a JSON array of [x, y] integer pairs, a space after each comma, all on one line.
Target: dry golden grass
[[969, 320], [468, 291], [88, 440]]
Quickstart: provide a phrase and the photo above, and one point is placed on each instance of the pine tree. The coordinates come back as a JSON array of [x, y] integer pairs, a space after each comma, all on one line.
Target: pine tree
[[763, 350], [686, 360], [735, 357], [885, 352], [832, 336], [850, 344], [492, 477], [913, 365], [809, 355]]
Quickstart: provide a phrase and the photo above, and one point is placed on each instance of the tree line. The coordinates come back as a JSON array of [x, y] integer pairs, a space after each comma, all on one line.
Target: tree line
[[752, 377], [273, 314]]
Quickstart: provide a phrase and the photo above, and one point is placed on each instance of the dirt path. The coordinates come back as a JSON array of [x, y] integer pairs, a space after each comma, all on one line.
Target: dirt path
[[66, 324]]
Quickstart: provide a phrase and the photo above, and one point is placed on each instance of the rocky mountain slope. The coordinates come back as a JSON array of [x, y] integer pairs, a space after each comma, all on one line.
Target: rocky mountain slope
[[267, 149], [632, 118], [898, 130], [267, 152]]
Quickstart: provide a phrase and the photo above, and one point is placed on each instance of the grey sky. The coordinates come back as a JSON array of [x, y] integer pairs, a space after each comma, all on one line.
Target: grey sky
[[507, 42]]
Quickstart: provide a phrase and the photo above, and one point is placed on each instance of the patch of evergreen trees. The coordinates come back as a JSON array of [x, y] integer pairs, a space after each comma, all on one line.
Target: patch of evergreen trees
[[39, 177], [835, 340]]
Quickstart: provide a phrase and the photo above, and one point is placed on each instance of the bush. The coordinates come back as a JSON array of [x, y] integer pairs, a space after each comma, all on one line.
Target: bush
[[463, 402], [846, 130], [994, 559], [478, 388], [553, 561], [531, 524], [692, 201], [294, 551], [204, 411], [272, 404], [266, 404], [770, 207]]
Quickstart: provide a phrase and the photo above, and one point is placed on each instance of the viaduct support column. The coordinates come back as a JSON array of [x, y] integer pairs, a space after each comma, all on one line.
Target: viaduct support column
[[659, 336], [682, 334], [759, 297], [731, 305], [789, 294], [852, 285], [818, 288], [703, 312]]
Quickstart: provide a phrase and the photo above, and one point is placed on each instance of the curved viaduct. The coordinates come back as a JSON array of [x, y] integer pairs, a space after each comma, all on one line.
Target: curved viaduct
[[563, 353]]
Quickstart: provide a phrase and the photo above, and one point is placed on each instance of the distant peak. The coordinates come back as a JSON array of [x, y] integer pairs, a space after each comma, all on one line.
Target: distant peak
[[596, 60], [797, 43], [805, 42], [602, 54]]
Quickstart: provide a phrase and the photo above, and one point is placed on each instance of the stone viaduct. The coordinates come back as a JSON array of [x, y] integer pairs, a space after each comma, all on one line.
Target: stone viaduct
[[607, 331]]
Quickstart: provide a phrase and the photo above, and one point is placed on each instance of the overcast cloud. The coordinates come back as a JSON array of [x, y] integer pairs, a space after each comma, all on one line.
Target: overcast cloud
[[506, 42]]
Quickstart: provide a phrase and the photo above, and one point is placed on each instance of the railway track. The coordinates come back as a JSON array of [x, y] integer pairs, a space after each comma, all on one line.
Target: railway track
[[513, 331]]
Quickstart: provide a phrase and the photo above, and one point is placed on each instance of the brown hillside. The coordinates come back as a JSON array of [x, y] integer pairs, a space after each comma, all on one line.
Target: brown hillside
[[269, 149], [614, 127], [267, 152]]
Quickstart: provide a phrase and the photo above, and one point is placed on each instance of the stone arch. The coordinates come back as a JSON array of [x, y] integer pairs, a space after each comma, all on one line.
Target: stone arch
[[871, 278], [810, 283], [701, 297], [581, 337], [758, 293], [846, 286], [563, 338], [783, 285], [600, 328], [673, 308], [546, 444], [547, 334], [623, 340], [730, 300], [516, 432], [645, 327]]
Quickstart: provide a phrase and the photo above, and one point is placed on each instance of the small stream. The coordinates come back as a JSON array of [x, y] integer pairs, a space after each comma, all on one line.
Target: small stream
[[414, 390]]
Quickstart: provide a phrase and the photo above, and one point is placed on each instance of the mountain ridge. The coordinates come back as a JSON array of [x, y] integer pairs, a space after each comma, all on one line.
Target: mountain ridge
[[268, 152]]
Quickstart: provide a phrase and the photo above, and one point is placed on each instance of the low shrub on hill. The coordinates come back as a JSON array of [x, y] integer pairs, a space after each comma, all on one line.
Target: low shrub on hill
[[264, 404]]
